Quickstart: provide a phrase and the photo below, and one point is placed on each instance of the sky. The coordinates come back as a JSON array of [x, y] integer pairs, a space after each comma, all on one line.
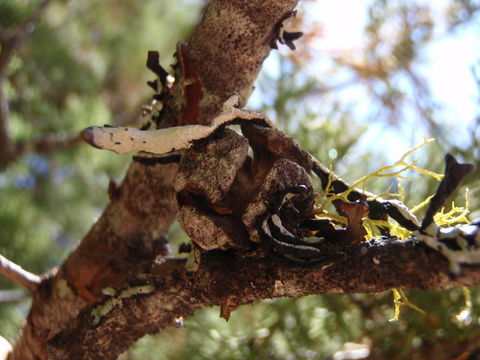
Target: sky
[[448, 60], [447, 66]]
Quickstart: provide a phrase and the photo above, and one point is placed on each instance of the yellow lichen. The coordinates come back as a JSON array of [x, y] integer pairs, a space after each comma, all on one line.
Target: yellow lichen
[[372, 228], [395, 170], [457, 214], [399, 300], [465, 316]]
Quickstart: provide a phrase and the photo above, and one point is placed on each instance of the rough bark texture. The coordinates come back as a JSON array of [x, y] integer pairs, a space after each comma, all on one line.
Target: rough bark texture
[[226, 52], [229, 280]]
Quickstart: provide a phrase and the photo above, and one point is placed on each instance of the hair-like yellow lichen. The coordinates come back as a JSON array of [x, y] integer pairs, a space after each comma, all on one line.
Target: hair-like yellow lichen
[[396, 170], [400, 299]]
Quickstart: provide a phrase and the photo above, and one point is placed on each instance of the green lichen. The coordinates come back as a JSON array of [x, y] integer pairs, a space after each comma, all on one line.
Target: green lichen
[[107, 305]]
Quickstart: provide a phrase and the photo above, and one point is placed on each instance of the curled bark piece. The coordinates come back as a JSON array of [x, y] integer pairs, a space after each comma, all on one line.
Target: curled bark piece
[[283, 174], [124, 139], [210, 231], [274, 141], [265, 139], [209, 170]]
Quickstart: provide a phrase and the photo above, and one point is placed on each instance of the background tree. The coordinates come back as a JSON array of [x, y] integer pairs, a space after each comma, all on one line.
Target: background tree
[[80, 66]]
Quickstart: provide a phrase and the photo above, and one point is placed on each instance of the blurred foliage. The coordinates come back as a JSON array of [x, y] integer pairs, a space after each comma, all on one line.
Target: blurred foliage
[[84, 64], [81, 65]]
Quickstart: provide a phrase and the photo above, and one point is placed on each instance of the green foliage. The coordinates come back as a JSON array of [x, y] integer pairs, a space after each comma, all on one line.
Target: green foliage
[[315, 327], [80, 66]]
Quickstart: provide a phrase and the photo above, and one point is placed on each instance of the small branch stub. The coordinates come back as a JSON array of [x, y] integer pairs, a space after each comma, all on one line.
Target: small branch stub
[[15, 273]]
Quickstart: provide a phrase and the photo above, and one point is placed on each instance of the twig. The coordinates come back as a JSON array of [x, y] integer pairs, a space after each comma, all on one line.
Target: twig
[[51, 143], [46, 144], [15, 273], [9, 45], [13, 42], [28, 25]]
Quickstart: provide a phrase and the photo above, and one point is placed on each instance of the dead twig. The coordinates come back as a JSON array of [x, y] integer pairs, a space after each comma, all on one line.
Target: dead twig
[[9, 46], [19, 275]]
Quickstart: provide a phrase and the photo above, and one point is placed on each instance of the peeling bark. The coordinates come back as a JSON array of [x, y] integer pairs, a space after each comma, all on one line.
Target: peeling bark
[[228, 48]]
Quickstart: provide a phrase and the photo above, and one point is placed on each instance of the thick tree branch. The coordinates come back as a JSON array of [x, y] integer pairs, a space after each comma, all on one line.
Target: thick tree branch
[[228, 48], [229, 280], [128, 235], [15, 273]]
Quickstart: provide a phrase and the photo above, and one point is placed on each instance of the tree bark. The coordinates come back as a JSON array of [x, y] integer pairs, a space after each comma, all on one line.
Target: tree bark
[[226, 52], [229, 281]]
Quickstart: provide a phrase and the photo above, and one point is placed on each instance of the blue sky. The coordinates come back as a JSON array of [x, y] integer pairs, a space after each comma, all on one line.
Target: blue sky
[[446, 65], [448, 60]]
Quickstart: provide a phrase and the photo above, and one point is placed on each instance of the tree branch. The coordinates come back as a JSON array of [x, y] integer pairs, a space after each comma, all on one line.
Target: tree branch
[[27, 26], [15, 273], [229, 280], [5, 348], [127, 236]]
